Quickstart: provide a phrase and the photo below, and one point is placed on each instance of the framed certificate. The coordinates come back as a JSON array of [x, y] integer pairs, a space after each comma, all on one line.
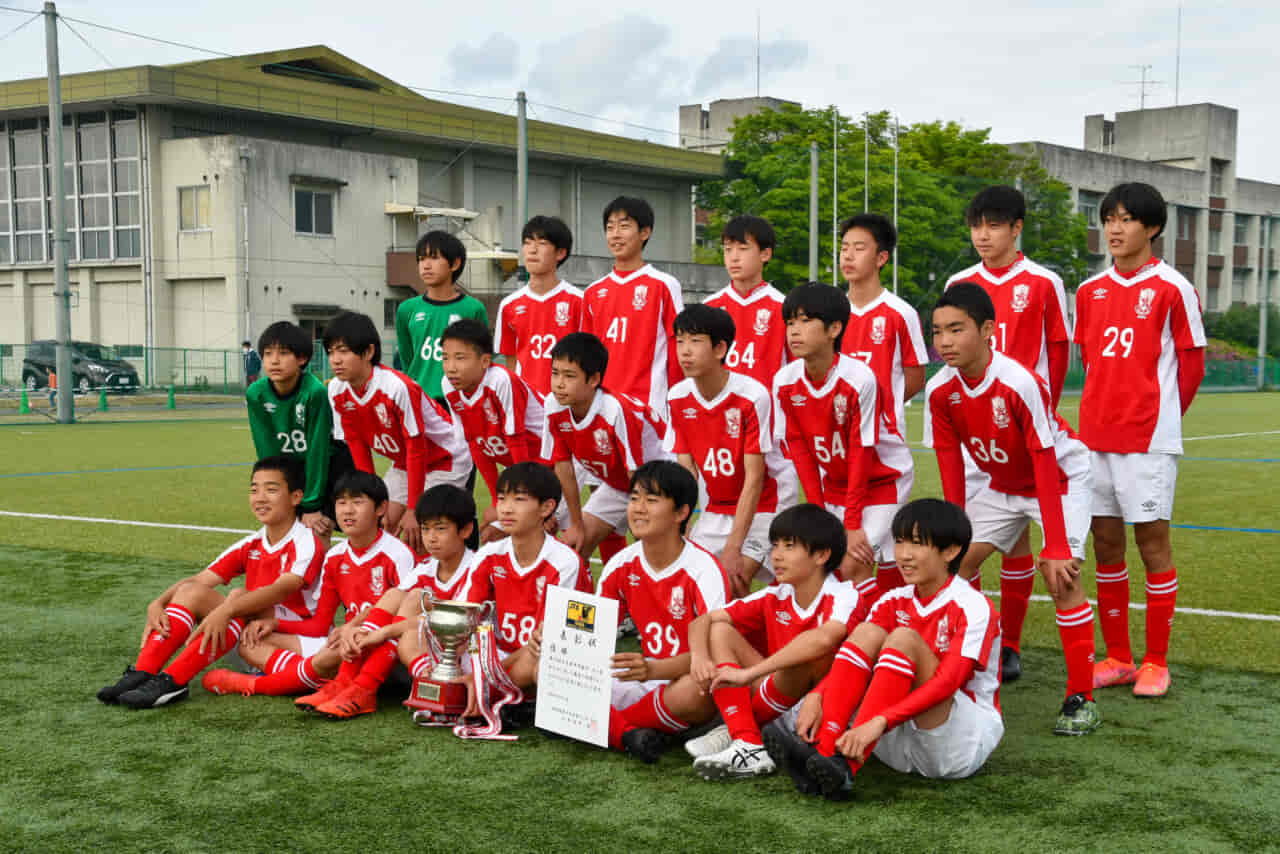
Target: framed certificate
[[579, 633]]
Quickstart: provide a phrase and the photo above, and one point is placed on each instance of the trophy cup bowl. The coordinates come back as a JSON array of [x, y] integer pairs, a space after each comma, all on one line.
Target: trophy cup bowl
[[452, 623]]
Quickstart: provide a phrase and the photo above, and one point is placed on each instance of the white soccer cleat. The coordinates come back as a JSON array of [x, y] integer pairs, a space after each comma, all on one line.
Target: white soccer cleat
[[709, 742], [741, 759]]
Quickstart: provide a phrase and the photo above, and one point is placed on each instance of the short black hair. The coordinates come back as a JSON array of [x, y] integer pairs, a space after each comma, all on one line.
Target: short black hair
[[670, 480], [821, 302], [552, 229], [936, 523], [446, 501], [295, 474], [445, 245], [882, 230], [584, 350], [636, 208], [702, 319], [1000, 204], [245, 344], [970, 298], [355, 483], [355, 330], [1143, 202], [813, 527], [470, 331], [531, 478], [757, 228], [287, 336]]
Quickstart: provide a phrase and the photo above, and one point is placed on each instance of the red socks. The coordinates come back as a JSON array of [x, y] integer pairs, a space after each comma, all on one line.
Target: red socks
[[1075, 627], [735, 707], [891, 680], [868, 590], [377, 665], [287, 673], [843, 690], [649, 712], [156, 651], [191, 660], [420, 667], [767, 702], [1017, 580], [1162, 594], [1113, 609]]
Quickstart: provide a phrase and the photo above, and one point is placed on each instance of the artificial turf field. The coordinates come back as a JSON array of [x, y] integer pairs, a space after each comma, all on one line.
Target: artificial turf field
[[1195, 771]]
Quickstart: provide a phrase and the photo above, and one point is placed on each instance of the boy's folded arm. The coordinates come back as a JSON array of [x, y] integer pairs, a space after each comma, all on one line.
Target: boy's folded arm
[[803, 648]]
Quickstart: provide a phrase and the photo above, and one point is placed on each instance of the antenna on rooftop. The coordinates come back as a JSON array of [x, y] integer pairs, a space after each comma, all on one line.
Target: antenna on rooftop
[[1177, 61], [1143, 84]]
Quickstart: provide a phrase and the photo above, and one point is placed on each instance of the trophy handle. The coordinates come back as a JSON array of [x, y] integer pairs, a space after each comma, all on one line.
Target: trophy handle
[[486, 611], [427, 600]]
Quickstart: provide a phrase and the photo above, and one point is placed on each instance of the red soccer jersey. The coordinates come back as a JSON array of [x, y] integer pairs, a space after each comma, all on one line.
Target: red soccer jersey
[[662, 603], [760, 338], [1031, 310], [529, 325], [298, 552], [632, 314], [501, 421], [885, 334], [426, 575], [519, 593], [355, 580], [1002, 421], [719, 433], [615, 437], [772, 618], [387, 415], [830, 420], [1130, 330], [957, 621]]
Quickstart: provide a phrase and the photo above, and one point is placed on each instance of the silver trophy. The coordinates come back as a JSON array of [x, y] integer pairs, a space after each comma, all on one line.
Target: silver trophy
[[451, 623]]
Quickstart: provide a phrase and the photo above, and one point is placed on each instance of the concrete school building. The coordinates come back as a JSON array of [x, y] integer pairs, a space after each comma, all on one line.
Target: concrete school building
[[209, 199], [1215, 232]]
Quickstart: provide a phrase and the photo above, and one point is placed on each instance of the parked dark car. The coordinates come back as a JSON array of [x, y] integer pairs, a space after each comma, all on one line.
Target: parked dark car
[[93, 366]]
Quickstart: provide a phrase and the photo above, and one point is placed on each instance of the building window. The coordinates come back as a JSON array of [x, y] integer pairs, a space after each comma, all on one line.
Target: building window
[[1239, 278], [125, 176], [193, 208], [313, 212], [1088, 206], [1211, 299], [93, 141], [1215, 242], [6, 256], [389, 306], [1186, 224], [1216, 170], [1242, 230], [28, 196]]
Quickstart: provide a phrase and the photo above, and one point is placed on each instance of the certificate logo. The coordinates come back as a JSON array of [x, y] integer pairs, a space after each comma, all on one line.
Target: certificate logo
[[580, 616]]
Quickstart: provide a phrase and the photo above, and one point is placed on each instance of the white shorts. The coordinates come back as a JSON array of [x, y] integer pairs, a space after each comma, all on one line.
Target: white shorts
[[711, 531], [952, 751], [1135, 487], [627, 694], [609, 505], [397, 481], [310, 645], [999, 518], [877, 523]]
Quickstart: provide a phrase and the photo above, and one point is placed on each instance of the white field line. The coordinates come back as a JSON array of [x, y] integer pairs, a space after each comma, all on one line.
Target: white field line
[[1230, 435], [1200, 612]]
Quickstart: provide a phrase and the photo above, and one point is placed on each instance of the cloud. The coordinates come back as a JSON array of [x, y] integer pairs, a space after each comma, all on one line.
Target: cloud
[[730, 72], [493, 60]]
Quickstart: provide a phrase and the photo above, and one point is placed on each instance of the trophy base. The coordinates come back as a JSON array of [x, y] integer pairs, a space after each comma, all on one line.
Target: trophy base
[[441, 698]]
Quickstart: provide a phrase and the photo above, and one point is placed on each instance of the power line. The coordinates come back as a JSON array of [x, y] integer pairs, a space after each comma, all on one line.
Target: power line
[[147, 37], [76, 33], [20, 26]]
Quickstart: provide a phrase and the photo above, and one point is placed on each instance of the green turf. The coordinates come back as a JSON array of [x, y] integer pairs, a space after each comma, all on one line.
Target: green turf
[[1195, 771]]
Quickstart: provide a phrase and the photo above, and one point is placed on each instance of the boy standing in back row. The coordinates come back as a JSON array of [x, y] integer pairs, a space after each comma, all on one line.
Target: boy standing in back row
[[421, 320], [760, 344]]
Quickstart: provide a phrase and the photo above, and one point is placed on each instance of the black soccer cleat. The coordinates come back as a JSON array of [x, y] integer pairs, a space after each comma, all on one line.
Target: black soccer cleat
[[791, 753], [158, 690], [1010, 665], [131, 679], [647, 745], [832, 775], [517, 716], [627, 628]]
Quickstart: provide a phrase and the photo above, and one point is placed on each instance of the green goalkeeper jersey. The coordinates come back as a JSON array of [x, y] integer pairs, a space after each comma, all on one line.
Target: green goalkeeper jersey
[[300, 426], [420, 321]]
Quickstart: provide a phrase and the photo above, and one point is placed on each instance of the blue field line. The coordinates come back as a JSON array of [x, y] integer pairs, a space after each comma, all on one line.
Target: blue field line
[[121, 470], [1232, 530]]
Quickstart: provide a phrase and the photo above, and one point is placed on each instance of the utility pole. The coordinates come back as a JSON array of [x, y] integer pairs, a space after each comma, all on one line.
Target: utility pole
[[813, 211], [835, 193], [522, 167], [61, 286], [1264, 304], [1177, 61], [866, 162], [897, 143]]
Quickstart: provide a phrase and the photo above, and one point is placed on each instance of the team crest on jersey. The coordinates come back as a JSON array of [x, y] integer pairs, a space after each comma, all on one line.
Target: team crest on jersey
[[490, 413], [762, 321], [300, 413], [603, 446], [840, 406], [381, 411], [733, 423], [1146, 297], [877, 330], [540, 586], [562, 314], [954, 398], [944, 635], [639, 297], [1021, 297], [783, 617], [676, 606], [376, 584], [999, 412]]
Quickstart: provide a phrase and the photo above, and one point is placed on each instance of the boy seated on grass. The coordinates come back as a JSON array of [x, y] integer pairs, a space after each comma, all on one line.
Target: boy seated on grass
[[357, 572], [922, 672], [281, 564], [663, 582]]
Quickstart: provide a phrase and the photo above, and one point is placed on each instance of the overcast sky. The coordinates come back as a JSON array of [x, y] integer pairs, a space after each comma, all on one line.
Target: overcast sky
[[1029, 72]]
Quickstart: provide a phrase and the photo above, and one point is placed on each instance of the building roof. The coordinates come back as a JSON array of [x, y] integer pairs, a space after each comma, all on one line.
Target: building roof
[[318, 84]]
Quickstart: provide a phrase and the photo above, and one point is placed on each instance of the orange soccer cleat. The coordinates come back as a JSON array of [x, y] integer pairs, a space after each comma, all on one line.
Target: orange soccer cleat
[[1112, 671], [1152, 681], [329, 690], [224, 681], [356, 700]]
